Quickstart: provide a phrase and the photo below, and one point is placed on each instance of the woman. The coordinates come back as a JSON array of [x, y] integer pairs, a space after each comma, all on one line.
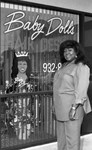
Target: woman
[[70, 95]]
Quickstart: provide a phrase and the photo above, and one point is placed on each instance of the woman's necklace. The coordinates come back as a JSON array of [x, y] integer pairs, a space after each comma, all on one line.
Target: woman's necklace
[[68, 63]]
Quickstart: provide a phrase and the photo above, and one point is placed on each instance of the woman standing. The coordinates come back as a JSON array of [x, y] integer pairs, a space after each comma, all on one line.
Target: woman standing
[[70, 95]]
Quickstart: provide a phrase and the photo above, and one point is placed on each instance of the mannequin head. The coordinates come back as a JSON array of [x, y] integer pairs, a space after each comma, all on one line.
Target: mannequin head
[[20, 65]]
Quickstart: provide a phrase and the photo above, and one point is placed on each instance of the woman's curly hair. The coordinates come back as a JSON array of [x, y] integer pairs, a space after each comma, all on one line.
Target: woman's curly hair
[[77, 48]]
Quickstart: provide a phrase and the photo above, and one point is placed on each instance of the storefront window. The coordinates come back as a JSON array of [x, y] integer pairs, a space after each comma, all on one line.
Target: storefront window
[[26, 105], [39, 32]]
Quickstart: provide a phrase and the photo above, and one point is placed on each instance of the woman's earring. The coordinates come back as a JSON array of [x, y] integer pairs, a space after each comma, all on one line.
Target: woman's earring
[[75, 56]]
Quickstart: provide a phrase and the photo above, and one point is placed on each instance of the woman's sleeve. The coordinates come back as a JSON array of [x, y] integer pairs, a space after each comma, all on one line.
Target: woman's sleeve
[[81, 83]]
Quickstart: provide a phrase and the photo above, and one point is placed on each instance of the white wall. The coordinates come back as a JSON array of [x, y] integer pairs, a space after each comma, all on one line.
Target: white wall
[[80, 5]]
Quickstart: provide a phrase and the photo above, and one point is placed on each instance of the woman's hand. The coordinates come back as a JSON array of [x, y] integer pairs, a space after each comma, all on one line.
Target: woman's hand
[[73, 110], [72, 113]]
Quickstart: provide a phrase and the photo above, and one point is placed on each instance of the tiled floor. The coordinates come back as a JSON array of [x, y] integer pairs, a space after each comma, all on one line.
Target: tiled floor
[[86, 144]]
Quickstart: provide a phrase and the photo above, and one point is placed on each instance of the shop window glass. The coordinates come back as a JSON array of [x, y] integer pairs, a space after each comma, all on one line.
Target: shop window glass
[[39, 32]]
